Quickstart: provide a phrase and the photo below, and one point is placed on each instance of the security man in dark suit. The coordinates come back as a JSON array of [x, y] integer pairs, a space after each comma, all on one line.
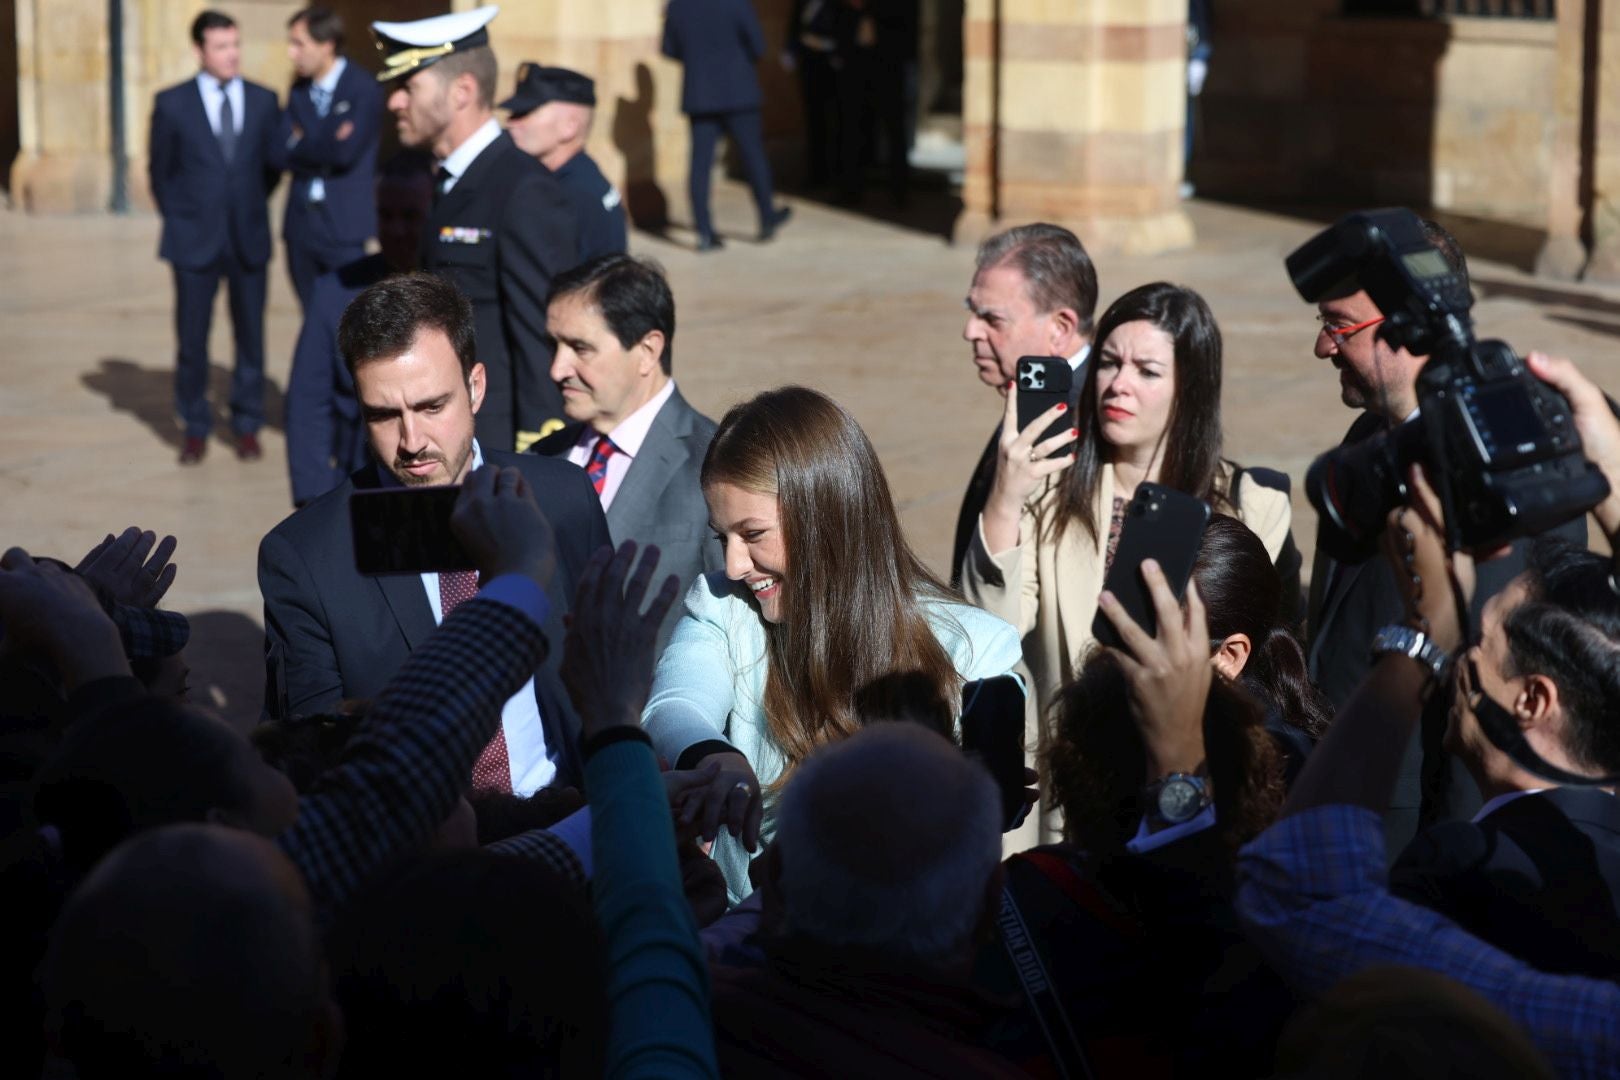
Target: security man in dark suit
[[328, 140], [1537, 871], [1351, 601], [332, 634], [502, 226], [552, 111], [210, 171], [639, 442], [719, 42]]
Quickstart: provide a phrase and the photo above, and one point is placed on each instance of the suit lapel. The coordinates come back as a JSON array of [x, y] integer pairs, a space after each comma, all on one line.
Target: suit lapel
[[461, 196], [201, 113], [1078, 591], [1333, 594], [663, 452]]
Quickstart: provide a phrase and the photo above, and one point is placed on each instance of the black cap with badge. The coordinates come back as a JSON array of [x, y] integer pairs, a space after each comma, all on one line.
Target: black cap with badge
[[537, 85], [408, 47]]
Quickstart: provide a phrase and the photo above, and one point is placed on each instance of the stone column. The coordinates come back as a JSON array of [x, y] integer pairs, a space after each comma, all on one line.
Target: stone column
[[1563, 255], [63, 160], [1073, 112], [1604, 265]]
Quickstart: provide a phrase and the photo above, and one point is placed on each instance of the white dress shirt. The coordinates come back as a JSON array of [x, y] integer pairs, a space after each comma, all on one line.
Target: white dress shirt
[[531, 766], [327, 83], [626, 438], [465, 154], [212, 95], [1078, 359]]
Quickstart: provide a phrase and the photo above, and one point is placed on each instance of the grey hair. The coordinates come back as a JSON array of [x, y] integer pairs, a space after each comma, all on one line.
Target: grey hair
[[887, 841], [1057, 270]]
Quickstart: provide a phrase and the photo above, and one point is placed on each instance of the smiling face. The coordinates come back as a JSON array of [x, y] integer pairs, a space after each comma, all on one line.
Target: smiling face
[[1136, 387], [419, 411], [748, 525]]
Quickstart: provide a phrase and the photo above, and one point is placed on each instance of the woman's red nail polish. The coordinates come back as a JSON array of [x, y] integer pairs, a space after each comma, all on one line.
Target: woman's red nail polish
[[1063, 406]]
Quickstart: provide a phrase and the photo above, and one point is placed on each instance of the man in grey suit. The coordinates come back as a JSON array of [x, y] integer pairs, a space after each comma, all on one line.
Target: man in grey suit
[[612, 321]]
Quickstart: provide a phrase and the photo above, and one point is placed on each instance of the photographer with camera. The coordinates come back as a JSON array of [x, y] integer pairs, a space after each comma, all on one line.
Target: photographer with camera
[[1351, 596], [1313, 889]]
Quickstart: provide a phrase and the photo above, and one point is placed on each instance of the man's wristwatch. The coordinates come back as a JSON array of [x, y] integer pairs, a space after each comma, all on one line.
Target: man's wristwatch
[[1176, 799], [1414, 643]]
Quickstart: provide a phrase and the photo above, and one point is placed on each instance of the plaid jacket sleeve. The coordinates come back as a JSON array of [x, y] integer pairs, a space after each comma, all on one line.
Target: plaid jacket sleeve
[[1313, 895], [402, 772], [539, 845]]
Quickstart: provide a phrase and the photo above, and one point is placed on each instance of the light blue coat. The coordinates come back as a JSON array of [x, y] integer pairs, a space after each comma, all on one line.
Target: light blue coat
[[710, 684]]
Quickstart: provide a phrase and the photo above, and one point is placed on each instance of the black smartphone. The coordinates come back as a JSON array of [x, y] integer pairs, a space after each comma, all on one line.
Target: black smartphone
[[993, 731], [406, 531], [1160, 524], [1043, 381]]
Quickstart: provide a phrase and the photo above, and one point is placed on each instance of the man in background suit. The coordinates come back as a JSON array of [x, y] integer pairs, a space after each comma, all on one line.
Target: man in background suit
[[328, 139], [502, 227], [1351, 601], [718, 43], [1537, 871], [332, 634], [210, 170], [1034, 293], [641, 445]]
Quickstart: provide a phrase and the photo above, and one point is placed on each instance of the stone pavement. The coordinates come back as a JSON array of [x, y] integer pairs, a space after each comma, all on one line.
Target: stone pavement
[[870, 312]]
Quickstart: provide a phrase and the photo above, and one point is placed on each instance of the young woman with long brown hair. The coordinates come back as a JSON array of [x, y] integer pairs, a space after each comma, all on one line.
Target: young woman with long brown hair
[[821, 596]]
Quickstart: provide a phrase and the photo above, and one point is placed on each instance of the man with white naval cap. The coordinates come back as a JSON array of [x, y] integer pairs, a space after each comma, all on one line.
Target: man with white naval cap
[[501, 227]]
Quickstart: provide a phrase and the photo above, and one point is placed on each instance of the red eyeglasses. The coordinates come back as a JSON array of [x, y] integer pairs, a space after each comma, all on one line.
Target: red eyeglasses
[[1341, 334]]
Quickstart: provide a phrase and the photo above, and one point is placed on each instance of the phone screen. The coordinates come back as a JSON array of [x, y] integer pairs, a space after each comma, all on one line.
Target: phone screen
[[406, 531]]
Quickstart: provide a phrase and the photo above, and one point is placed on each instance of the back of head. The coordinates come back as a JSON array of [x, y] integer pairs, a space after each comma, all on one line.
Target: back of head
[[131, 769], [631, 294], [847, 620], [1242, 594], [888, 843], [190, 951], [1056, 268], [1401, 1023], [1568, 629], [1096, 763], [471, 964]]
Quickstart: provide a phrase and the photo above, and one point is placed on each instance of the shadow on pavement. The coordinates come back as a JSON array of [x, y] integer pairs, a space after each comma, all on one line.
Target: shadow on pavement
[[147, 394]]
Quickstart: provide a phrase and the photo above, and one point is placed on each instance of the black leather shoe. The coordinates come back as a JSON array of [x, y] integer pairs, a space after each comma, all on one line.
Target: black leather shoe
[[776, 220], [709, 242]]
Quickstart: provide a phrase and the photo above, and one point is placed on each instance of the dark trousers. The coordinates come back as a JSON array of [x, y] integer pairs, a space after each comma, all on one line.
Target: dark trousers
[[818, 87], [325, 439], [194, 292], [748, 137], [310, 252], [872, 98]]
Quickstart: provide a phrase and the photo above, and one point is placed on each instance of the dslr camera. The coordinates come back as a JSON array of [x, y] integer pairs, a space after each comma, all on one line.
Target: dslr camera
[[1498, 444]]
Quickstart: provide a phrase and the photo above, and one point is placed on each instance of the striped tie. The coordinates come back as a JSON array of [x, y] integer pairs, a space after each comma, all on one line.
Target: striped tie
[[493, 770], [596, 468]]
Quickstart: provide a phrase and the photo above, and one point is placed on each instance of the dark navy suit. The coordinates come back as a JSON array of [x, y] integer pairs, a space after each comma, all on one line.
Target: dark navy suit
[[215, 225], [599, 209], [325, 234], [718, 43]]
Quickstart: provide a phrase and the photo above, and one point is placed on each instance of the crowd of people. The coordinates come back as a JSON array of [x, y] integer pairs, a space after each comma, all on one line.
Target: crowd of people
[[674, 774]]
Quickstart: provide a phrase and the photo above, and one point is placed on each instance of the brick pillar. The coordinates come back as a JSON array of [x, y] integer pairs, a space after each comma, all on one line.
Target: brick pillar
[[1073, 112], [1604, 265], [1563, 255], [63, 159]]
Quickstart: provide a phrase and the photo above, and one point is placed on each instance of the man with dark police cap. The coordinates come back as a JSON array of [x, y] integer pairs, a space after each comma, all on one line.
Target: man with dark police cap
[[502, 226], [551, 118]]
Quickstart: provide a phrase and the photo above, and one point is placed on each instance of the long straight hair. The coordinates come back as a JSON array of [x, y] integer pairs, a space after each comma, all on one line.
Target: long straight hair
[[850, 610], [1191, 443]]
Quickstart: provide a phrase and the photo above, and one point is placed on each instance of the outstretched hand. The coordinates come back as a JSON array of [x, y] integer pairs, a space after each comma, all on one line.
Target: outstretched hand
[[55, 611], [132, 571], [1168, 676], [501, 526], [611, 644]]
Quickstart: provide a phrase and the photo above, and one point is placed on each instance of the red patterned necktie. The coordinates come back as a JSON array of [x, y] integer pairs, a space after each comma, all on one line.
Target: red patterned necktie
[[492, 771], [596, 468]]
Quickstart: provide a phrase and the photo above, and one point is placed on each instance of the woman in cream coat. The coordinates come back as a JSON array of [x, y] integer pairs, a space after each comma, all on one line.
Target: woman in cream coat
[[1150, 409]]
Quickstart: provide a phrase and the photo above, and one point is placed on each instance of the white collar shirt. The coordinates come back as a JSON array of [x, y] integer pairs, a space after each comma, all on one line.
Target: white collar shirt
[[627, 439], [213, 96], [464, 155]]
